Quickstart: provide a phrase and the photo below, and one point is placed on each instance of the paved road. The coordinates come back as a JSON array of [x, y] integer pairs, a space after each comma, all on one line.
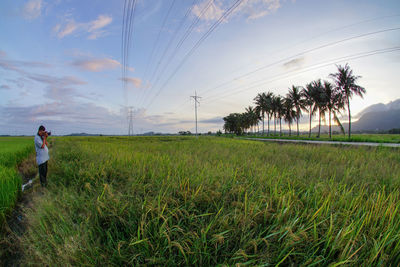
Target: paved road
[[325, 142]]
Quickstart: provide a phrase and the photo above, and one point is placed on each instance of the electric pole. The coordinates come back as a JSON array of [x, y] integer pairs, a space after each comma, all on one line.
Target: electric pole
[[130, 120], [196, 101]]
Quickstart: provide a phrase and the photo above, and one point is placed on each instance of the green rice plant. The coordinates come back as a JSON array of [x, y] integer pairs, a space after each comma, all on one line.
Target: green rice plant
[[12, 151], [371, 138], [215, 201]]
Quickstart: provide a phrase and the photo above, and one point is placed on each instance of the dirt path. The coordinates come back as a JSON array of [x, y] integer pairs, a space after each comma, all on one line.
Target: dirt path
[[325, 142], [16, 224]]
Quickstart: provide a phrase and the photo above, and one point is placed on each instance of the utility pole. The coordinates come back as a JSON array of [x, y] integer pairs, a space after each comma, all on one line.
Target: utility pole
[[130, 120], [196, 101]]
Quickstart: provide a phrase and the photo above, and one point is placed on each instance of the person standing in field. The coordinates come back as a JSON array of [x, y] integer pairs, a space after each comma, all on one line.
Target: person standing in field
[[42, 154]]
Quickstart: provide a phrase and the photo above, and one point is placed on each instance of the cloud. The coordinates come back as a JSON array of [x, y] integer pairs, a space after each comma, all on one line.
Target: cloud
[[18, 65], [5, 87], [215, 120], [32, 9], [94, 27], [96, 64], [2, 53], [213, 11], [100, 22], [250, 9], [68, 29], [294, 63], [136, 82]]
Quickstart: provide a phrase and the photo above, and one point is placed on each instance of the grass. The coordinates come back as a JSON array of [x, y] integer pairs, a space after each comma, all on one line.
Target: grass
[[12, 151], [373, 138], [215, 201]]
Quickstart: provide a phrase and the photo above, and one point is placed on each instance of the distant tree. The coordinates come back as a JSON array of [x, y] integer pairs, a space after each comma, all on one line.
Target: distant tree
[[259, 101], [251, 117], [280, 111], [268, 97], [308, 94], [333, 103], [297, 101], [289, 114], [320, 101], [345, 82]]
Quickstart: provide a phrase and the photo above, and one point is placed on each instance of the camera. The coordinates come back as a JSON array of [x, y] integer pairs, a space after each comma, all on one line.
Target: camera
[[48, 133]]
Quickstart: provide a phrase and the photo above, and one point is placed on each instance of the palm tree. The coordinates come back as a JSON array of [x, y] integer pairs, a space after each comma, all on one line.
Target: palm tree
[[345, 82], [259, 101], [252, 117], [308, 96], [268, 97], [280, 111], [319, 102], [274, 110], [289, 112], [298, 102], [334, 103]]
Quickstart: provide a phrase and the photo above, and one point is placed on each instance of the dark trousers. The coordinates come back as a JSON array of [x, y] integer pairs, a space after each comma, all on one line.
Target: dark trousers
[[43, 173]]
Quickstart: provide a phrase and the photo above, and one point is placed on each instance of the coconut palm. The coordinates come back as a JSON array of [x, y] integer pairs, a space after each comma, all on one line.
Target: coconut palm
[[268, 97], [289, 114], [251, 117], [274, 110], [334, 103], [308, 94], [319, 102], [297, 101], [345, 82], [280, 111], [259, 101]]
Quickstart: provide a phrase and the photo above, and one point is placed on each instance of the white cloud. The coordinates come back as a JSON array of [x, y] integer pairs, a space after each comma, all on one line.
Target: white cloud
[[100, 22], [136, 82], [213, 11], [97, 64], [32, 9], [251, 9], [94, 27], [68, 29]]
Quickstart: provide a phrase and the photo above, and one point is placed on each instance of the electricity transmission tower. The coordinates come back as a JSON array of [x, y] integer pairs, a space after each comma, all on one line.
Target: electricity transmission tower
[[196, 101], [130, 120]]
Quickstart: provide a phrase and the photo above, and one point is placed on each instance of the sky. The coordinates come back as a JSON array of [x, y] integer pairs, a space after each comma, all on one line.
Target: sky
[[62, 61]]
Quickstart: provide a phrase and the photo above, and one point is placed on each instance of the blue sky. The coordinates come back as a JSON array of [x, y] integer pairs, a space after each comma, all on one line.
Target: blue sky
[[60, 61]]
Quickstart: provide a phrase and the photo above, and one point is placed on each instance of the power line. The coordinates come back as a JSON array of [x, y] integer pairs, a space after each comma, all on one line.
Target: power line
[[300, 54], [310, 68], [127, 28], [194, 48], [188, 31], [182, 22], [157, 39]]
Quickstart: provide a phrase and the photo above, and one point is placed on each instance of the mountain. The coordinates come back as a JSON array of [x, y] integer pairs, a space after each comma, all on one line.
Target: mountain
[[393, 105], [377, 117]]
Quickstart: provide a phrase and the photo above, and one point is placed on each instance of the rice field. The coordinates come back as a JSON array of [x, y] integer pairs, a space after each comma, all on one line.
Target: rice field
[[373, 138], [12, 151], [170, 201]]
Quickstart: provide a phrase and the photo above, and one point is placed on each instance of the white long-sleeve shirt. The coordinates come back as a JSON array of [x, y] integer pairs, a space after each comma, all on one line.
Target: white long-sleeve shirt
[[42, 154]]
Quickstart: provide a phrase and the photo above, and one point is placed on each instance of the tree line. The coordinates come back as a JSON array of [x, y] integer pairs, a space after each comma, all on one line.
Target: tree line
[[324, 98]]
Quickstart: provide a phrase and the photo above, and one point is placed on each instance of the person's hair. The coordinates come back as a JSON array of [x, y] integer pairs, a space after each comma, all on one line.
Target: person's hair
[[41, 128]]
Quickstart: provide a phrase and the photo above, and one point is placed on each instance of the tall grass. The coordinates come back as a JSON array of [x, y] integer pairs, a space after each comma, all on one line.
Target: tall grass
[[12, 151], [208, 201], [371, 138]]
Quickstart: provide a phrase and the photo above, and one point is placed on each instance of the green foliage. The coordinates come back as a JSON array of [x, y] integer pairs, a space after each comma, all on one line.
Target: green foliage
[[12, 151], [172, 201]]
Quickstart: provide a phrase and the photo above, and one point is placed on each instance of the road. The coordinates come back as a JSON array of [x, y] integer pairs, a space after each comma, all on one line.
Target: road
[[325, 142]]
